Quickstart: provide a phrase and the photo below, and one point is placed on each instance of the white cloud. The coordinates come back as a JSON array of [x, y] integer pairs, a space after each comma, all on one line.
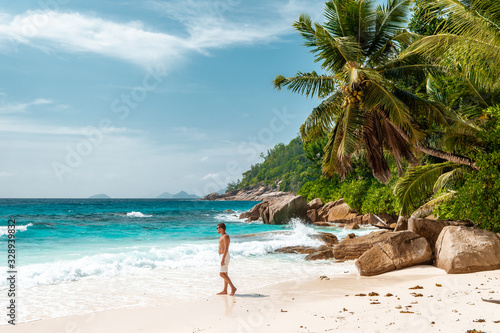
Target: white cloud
[[209, 24], [22, 107], [20, 126], [75, 32], [210, 176], [5, 174]]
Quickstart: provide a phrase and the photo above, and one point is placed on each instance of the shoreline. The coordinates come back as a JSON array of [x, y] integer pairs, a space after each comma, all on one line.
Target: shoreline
[[448, 303]]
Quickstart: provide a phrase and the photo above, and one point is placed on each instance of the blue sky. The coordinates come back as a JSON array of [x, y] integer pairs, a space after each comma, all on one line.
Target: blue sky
[[135, 98]]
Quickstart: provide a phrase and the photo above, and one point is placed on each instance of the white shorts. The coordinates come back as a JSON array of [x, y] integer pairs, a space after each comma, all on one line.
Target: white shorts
[[223, 268]]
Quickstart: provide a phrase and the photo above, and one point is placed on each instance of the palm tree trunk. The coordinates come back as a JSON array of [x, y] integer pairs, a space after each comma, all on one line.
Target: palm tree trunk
[[446, 156], [436, 152]]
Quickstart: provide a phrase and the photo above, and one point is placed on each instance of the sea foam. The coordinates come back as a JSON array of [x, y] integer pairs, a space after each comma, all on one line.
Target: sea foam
[[133, 261], [137, 214], [19, 228]]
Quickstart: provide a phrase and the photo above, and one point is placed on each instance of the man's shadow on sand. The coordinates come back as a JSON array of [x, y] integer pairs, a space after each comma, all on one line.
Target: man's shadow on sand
[[250, 295]]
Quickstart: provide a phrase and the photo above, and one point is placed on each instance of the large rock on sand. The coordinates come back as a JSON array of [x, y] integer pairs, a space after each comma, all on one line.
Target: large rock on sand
[[403, 249], [281, 211], [430, 229], [467, 250], [353, 248]]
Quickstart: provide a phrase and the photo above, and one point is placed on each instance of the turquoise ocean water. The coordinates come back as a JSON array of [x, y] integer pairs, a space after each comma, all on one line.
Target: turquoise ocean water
[[85, 255]]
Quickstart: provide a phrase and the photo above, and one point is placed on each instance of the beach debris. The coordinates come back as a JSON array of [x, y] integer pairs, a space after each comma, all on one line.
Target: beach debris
[[373, 294], [362, 295], [399, 307], [405, 311], [433, 322], [491, 300], [474, 331], [389, 295], [416, 287], [324, 277], [375, 303], [496, 321], [414, 302], [479, 321], [283, 310], [416, 295], [345, 310], [438, 285]]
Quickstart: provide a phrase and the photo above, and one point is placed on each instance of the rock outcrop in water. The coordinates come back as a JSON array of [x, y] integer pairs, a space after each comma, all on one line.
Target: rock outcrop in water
[[457, 248], [258, 192]]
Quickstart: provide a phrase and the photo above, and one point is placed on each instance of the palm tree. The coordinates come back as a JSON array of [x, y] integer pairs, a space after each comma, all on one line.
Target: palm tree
[[364, 107]]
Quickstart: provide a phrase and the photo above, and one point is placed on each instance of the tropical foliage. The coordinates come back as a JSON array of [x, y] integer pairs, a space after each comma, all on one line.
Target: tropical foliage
[[470, 28], [416, 110], [478, 199]]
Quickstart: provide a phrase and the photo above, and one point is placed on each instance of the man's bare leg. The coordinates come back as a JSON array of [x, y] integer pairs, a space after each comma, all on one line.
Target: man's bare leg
[[227, 281], [224, 291]]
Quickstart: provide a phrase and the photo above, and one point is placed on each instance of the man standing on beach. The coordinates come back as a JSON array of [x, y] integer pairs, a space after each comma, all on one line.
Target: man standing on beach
[[224, 258]]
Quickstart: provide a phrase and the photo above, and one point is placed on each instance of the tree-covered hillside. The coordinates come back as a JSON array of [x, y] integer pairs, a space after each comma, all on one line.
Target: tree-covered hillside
[[286, 166]]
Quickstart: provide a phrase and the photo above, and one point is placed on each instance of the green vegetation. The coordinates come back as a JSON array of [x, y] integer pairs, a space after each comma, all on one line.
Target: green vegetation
[[409, 120], [477, 198], [287, 165]]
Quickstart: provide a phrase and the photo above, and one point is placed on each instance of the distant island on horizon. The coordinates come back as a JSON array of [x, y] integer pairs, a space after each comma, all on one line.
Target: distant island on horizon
[[100, 196], [164, 195], [180, 195]]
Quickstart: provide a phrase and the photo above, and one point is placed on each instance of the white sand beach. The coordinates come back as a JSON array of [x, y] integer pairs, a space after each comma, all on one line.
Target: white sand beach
[[445, 303]]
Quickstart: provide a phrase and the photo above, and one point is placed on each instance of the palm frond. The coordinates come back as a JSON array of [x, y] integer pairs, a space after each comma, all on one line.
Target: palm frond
[[377, 96], [470, 40], [427, 208], [321, 119], [331, 164], [334, 52], [417, 184], [352, 123], [462, 136], [308, 84], [373, 138], [443, 180], [433, 111], [390, 19], [400, 149], [304, 27]]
